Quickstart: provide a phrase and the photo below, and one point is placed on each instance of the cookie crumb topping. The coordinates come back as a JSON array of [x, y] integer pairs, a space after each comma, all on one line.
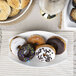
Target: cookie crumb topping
[[45, 54]]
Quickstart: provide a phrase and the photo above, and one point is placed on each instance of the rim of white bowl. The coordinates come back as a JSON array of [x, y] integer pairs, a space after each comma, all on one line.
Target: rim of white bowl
[[19, 15], [11, 58]]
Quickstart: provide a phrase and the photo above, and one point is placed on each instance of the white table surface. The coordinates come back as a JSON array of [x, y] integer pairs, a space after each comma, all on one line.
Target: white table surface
[[33, 20]]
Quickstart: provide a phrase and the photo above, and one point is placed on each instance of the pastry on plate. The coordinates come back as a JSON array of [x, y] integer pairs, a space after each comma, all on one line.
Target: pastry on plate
[[36, 39], [16, 43], [26, 52], [45, 53], [4, 10], [58, 43], [14, 12], [18, 4], [73, 14]]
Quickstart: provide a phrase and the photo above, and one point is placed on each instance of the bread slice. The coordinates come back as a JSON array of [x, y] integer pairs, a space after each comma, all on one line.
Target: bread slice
[[4, 10], [14, 3], [73, 14], [14, 12], [18, 4], [24, 3]]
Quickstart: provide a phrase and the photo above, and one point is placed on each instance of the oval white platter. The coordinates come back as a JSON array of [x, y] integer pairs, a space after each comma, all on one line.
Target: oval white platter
[[68, 24], [35, 62], [21, 13]]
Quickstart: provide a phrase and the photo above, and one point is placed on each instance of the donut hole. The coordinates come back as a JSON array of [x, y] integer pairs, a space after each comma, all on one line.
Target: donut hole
[[26, 55], [44, 54], [26, 52], [19, 47], [35, 44]]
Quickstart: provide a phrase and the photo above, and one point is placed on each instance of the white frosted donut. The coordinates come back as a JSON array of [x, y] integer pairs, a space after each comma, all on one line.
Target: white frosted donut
[[15, 43], [45, 53]]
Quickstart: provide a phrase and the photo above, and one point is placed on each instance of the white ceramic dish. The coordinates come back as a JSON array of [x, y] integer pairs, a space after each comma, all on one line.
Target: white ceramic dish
[[21, 13], [35, 62], [68, 24]]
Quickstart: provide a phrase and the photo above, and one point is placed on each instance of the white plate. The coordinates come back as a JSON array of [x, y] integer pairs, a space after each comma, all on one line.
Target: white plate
[[21, 13], [35, 62], [68, 24]]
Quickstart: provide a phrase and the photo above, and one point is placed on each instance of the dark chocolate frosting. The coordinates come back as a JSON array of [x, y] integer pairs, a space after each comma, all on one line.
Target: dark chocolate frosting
[[26, 52], [57, 43]]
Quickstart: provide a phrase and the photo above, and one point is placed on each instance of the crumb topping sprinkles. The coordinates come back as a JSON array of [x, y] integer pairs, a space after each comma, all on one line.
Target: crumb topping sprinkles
[[45, 54]]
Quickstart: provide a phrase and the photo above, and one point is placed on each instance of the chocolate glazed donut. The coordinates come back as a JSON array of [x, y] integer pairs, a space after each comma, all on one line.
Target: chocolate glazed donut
[[58, 43], [26, 52]]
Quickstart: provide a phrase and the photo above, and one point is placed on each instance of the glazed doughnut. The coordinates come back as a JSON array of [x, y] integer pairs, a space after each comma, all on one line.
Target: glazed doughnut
[[4, 10], [26, 52], [36, 39], [58, 43], [45, 53], [14, 12], [16, 43], [18, 4]]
